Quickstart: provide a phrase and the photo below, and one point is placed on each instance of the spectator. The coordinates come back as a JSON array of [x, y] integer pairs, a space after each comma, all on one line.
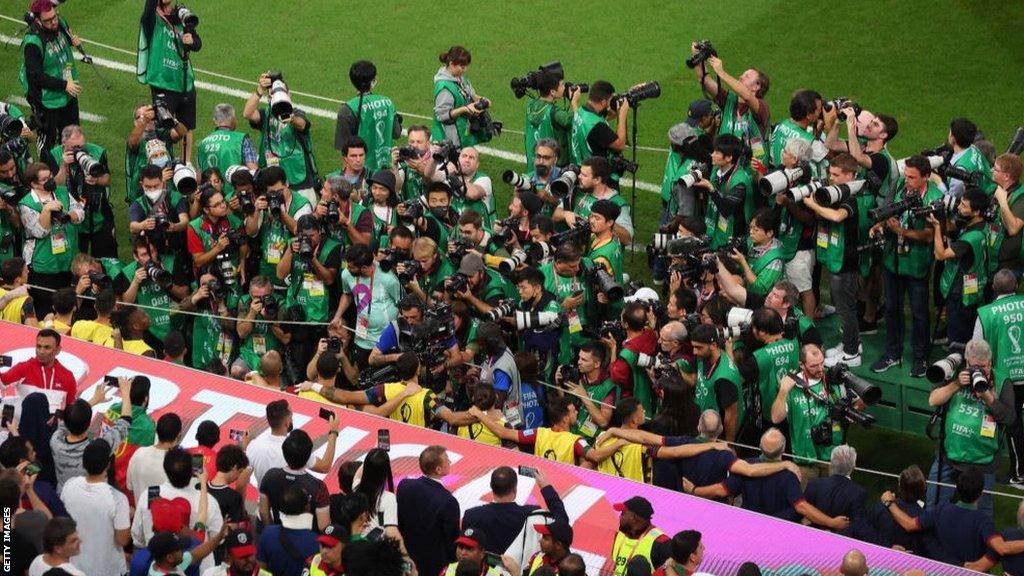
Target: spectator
[[839, 495], [910, 491], [60, 543], [146, 467], [283, 548], [854, 564], [298, 451], [18, 307], [376, 482], [555, 541], [171, 556], [428, 515], [179, 485], [639, 547], [17, 452], [503, 520], [574, 565], [229, 484], [471, 547], [37, 426], [332, 541], [102, 511], [265, 451], [240, 558], [44, 372], [207, 438], [69, 441], [142, 431], [374, 558], [687, 554], [1013, 563]]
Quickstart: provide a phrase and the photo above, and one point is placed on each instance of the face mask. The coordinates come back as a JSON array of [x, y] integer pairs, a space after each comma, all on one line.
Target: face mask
[[161, 161], [153, 195], [543, 171], [440, 212], [50, 186]]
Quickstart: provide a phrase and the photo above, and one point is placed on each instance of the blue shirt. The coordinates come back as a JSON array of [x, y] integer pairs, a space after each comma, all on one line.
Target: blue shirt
[[775, 495], [502, 382], [963, 532], [1013, 565], [533, 413], [705, 469], [277, 558]]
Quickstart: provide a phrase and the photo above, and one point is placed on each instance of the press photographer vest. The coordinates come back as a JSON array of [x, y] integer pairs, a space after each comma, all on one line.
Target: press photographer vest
[[641, 381], [151, 294], [972, 434], [58, 62], [52, 254], [625, 549], [582, 123], [554, 445], [221, 149], [629, 462], [571, 336], [376, 118], [743, 126], [805, 413], [831, 243], [209, 341], [774, 361], [160, 63], [585, 425], [466, 138], [290, 146], [96, 213], [996, 236], [513, 408], [906, 257], [784, 132], [706, 396], [260, 339], [540, 124], [307, 290], [417, 409], [413, 185], [720, 227], [1002, 324], [340, 233], [274, 237], [975, 162], [135, 159], [974, 279], [675, 168], [610, 251], [768, 268], [460, 204]]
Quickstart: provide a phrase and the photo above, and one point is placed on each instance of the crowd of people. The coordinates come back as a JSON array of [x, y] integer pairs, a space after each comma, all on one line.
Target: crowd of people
[[397, 285]]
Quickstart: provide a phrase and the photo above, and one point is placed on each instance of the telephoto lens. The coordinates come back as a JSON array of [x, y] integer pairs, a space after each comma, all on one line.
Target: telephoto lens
[[509, 265], [534, 320], [832, 195], [780, 180], [802, 192], [698, 172], [505, 308], [566, 181], [280, 100], [184, 178], [516, 180], [945, 369], [88, 164]]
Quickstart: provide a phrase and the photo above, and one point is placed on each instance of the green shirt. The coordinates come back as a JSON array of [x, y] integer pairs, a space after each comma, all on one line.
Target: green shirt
[[1002, 324], [260, 339], [290, 146], [142, 430], [466, 138], [774, 361], [705, 392], [376, 302], [767, 264], [571, 335], [58, 62], [376, 117], [94, 220], [274, 237], [720, 227], [804, 413], [975, 162], [743, 126], [675, 168], [784, 132], [307, 290], [904, 256], [52, 254]]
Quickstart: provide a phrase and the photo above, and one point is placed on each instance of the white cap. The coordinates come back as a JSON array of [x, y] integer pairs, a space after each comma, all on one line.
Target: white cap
[[644, 293]]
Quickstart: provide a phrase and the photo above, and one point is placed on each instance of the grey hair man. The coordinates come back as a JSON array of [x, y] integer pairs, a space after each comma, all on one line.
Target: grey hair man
[[839, 495]]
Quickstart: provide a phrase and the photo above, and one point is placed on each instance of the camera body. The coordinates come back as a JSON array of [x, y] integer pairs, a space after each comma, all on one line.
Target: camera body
[[275, 203], [459, 283], [569, 373], [410, 269], [408, 153], [838, 104], [158, 274], [704, 51], [636, 95], [392, 256], [449, 152], [413, 210]]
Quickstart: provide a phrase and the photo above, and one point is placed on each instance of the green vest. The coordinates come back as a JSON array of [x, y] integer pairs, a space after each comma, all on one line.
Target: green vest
[[221, 149], [150, 294], [1002, 324], [58, 62], [831, 244], [95, 222], [274, 238], [720, 227], [768, 268], [974, 161], [586, 201], [10, 239], [974, 279], [571, 337], [995, 230], [585, 425], [705, 394], [540, 124], [906, 257], [784, 132], [466, 138], [307, 290], [134, 160], [743, 126], [380, 227], [582, 123], [160, 63], [376, 119], [207, 241], [283, 141], [675, 168], [209, 341], [413, 184], [972, 437], [486, 212], [804, 414], [774, 361], [340, 234], [642, 390], [612, 252], [260, 339], [497, 287], [52, 254]]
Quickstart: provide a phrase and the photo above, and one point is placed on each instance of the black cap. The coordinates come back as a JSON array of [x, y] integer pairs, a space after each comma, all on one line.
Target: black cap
[[699, 109], [472, 538], [385, 178], [559, 530], [637, 505], [164, 543]]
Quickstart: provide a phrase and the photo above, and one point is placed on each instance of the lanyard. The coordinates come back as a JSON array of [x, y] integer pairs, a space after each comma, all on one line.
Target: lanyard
[[369, 300], [53, 374], [632, 551]]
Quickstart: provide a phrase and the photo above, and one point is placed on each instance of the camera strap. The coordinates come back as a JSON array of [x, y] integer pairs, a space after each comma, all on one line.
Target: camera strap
[[805, 387]]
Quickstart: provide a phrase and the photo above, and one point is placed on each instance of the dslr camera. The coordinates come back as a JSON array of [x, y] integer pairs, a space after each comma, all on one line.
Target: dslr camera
[[636, 95], [704, 51]]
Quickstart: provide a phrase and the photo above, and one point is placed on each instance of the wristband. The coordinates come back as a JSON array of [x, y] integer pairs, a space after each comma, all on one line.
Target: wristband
[[333, 433], [317, 388], [888, 504]]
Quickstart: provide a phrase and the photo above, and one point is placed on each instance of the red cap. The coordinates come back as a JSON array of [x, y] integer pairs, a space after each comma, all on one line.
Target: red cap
[[170, 515]]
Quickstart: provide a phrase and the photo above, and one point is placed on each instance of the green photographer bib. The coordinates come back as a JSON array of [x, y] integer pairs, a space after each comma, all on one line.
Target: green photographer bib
[[972, 434], [1002, 323], [221, 149], [675, 168], [376, 118], [906, 257], [466, 138], [805, 413], [52, 254], [160, 63], [974, 278], [95, 220], [582, 123], [705, 394], [58, 62], [155, 300], [743, 126], [774, 361], [284, 142], [783, 133]]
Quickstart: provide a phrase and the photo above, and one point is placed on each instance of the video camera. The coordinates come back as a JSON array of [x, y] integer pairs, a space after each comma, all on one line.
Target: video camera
[[369, 379], [482, 125], [577, 234], [393, 256]]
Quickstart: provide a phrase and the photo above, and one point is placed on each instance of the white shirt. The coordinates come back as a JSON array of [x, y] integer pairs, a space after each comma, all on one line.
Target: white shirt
[[142, 524], [265, 453], [40, 567], [99, 510], [145, 469]]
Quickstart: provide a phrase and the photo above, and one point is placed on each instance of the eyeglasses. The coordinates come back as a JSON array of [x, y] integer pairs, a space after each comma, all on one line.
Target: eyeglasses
[[216, 204], [543, 157], [50, 19]]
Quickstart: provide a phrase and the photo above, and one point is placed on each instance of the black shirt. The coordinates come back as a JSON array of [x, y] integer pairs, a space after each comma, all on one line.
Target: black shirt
[[851, 260], [600, 137], [232, 505]]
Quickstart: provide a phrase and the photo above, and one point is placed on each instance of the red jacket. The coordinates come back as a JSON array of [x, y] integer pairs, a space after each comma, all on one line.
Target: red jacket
[[32, 373], [644, 343]]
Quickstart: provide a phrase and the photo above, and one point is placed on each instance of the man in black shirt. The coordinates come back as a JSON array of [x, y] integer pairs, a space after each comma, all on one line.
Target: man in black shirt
[[49, 72], [228, 486], [297, 448], [503, 520]]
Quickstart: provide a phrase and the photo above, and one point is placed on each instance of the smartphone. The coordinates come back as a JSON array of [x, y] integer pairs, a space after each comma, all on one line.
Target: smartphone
[[32, 469], [384, 439], [58, 414], [8, 414], [6, 361], [154, 493], [326, 414], [236, 435], [111, 381], [528, 471], [197, 463], [492, 559]]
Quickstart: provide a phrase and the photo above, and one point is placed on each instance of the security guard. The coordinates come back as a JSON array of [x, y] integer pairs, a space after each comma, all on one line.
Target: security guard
[[637, 541], [472, 545]]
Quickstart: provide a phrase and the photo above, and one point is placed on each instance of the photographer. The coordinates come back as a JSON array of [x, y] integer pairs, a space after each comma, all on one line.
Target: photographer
[[374, 293], [595, 180], [284, 140], [49, 72], [257, 337], [381, 203], [547, 120], [50, 216], [745, 112], [455, 101], [474, 230], [149, 142], [562, 278], [837, 252], [805, 110], [686, 141], [907, 260], [873, 155], [226, 146], [718, 385], [346, 221], [413, 165], [278, 211], [153, 280], [211, 236], [166, 36], [1008, 251], [591, 134], [483, 288], [368, 117], [310, 267], [605, 248], [962, 137], [976, 408], [499, 369], [591, 389], [545, 155], [159, 214], [965, 270], [213, 335], [10, 222], [478, 194], [523, 209], [640, 341], [762, 370], [766, 265], [15, 147], [797, 230], [353, 169], [729, 205], [96, 233], [438, 219], [434, 269], [400, 334], [536, 319]]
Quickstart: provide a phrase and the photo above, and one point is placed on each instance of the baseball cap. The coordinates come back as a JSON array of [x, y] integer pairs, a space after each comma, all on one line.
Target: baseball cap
[[681, 133], [170, 515], [471, 264], [644, 294], [332, 535], [240, 544], [164, 543], [699, 109], [637, 505], [559, 530], [385, 178], [472, 538]]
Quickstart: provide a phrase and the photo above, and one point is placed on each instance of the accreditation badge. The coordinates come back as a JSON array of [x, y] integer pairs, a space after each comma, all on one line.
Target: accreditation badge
[[988, 426]]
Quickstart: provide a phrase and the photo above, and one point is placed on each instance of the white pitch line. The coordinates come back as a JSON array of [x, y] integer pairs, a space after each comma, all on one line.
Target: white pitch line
[[81, 114]]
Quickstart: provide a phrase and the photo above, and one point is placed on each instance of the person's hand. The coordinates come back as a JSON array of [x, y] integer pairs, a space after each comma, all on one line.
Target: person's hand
[[703, 183], [263, 84], [12, 427], [475, 412], [18, 292], [964, 379], [887, 496], [840, 523], [305, 386], [572, 302], [602, 298], [148, 224], [893, 225], [412, 389], [53, 206], [233, 203], [988, 397], [148, 114], [140, 275], [321, 209], [99, 395], [737, 257], [570, 219], [613, 347], [27, 480], [336, 325], [256, 306], [792, 467], [294, 245], [202, 476], [786, 383], [222, 243], [260, 203], [574, 95], [321, 346], [75, 40], [67, 157], [394, 156], [72, 88], [124, 385], [623, 109], [931, 219], [851, 118], [202, 293], [510, 564], [342, 218], [332, 424], [688, 486], [471, 110], [716, 64], [576, 389], [1000, 195]]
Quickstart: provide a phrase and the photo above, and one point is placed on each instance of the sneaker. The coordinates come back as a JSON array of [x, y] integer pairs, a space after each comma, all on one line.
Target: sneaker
[[834, 351], [851, 360], [883, 364], [1015, 482], [919, 369], [826, 310], [867, 328]]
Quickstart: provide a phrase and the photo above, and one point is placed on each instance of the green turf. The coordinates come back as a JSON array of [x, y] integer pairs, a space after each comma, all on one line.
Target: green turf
[[922, 63]]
